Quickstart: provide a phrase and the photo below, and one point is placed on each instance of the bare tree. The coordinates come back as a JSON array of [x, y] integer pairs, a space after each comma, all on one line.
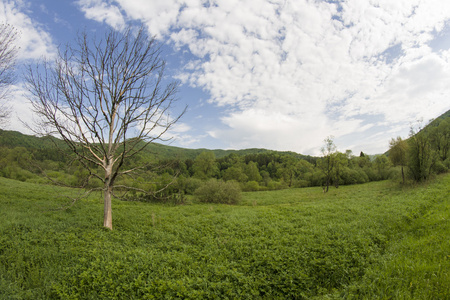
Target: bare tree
[[107, 99], [8, 54]]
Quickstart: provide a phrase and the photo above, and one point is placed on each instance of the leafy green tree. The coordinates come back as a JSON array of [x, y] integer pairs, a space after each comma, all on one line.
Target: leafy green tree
[[398, 149], [205, 165], [340, 162], [252, 172], [305, 171], [272, 168], [420, 154], [229, 161], [440, 139], [382, 165], [363, 160], [287, 170], [265, 177], [235, 173]]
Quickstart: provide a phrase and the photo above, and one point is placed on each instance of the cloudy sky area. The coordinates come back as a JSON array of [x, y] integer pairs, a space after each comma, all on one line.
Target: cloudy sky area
[[275, 74]]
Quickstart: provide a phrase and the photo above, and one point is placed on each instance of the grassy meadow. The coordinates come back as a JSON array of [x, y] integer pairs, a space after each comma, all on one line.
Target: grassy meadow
[[372, 241]]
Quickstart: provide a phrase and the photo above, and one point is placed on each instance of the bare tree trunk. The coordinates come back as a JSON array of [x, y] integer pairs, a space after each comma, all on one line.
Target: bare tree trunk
[[107, 213], [107, 217]]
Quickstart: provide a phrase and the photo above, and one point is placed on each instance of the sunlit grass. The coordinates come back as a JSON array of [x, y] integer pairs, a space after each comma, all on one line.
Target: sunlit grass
[[363, 241]]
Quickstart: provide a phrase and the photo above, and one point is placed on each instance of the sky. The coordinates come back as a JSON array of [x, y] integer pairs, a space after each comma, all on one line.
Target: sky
[[275, 74]]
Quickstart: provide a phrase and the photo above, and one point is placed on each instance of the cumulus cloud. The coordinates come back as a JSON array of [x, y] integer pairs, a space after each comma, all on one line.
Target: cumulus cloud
[[293, 72], [34, 41], [102, 12]]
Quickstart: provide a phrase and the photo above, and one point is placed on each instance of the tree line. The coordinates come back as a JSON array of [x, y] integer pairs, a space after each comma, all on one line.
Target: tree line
[[253, 172], [425, 153], [106, 98]]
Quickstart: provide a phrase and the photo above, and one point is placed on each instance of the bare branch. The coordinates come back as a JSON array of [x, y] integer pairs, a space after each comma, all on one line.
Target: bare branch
[[106, 99], [8, 55]]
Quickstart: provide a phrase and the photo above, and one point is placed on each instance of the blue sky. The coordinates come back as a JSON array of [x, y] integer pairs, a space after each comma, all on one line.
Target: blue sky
[[279, 74]]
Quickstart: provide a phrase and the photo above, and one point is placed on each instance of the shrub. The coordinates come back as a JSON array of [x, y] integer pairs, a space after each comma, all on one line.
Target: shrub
[[276, 185], [188, 184], [217, 191], [301, 183], [439, 167], [251, 186]]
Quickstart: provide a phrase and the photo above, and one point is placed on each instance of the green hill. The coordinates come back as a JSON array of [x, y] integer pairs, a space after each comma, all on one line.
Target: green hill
[[13, 139]]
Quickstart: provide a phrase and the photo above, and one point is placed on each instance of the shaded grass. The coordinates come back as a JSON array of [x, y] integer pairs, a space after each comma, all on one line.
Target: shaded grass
[[364, 241], [416, 265]]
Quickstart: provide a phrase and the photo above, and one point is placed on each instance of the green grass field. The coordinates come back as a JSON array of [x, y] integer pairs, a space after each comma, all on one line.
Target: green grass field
[[371, 241]]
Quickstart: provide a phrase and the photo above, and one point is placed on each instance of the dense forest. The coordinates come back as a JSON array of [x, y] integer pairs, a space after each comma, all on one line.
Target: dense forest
[[424, 153]]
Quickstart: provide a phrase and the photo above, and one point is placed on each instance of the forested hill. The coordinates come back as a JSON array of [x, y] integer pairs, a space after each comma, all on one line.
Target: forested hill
[[28, 158], [445, 115], [155, 151], [14, 139]]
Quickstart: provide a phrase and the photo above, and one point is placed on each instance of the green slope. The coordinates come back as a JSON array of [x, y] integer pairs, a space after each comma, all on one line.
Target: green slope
[[12, 139]]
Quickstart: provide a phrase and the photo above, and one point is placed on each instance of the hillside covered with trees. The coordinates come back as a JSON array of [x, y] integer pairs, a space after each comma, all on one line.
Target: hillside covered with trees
[[47, 160]]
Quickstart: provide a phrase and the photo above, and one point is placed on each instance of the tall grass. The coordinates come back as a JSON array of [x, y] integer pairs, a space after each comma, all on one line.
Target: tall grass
[[376, 240]]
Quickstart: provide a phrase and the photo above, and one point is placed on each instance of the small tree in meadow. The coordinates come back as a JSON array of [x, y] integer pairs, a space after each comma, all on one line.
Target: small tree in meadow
[[326, 164]]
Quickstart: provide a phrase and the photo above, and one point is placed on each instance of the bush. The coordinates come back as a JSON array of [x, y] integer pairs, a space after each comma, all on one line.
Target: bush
[[301, 183], [447, 163], [251, 186], [188, 184], [217, 191], [276, 185], [439, 167]]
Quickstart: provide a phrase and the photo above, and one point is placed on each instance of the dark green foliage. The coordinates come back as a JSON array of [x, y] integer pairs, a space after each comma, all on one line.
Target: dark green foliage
[[398, 154], [27, 158], [218, 191], [420, 156], [426, 151], [205, 165]]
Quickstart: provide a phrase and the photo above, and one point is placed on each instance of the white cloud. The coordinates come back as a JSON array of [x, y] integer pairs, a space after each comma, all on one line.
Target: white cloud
[[252, 127], [102, 11], [293, 72], [179, 133], [34, 41], [21, 111], [159, 15]]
